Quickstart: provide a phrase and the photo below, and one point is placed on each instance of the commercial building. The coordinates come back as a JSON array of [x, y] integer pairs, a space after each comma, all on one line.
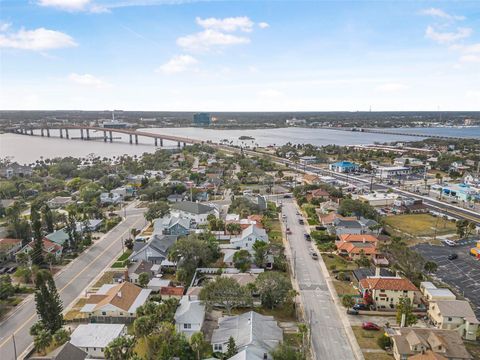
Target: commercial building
[[202, 119], [389, 172], [343, 167]]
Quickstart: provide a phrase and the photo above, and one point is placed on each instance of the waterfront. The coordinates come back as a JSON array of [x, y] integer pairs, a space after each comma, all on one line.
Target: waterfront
[[27, 149]]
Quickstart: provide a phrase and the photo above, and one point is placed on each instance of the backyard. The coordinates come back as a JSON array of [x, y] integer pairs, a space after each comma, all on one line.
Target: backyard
[[367, 340]]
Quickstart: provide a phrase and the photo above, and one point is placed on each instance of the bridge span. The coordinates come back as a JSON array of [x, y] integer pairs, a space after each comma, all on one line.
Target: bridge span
[[107, 134]]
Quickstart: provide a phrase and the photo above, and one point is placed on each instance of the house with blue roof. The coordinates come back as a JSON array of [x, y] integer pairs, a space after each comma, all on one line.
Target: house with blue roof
[[344, 167]]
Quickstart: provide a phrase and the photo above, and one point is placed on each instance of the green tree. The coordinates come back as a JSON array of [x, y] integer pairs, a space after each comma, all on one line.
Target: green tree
[[121, 348], [47, 218], [225, 292], [234, 228], [231, 348], [430, 266], [156, 210], [242, 260], [285, 352], [6, 287], [348, 301], [61, 336], [143, 279], [36, 255], [260, 249], [143, 326], [166, 343], [48, 302], [404, 307], [273, 288], [42, 340], [199, 345]]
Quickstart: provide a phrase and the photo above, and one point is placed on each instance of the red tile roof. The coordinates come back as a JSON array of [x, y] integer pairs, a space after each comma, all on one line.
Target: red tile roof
[[172, 291], [358, 238], [386, 283]]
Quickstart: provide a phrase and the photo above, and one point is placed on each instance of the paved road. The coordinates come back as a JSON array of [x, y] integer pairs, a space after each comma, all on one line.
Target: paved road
[[329, 339], [71, 282]]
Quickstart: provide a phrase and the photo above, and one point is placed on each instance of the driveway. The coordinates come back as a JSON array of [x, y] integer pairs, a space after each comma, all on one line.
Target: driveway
[[462, 274]]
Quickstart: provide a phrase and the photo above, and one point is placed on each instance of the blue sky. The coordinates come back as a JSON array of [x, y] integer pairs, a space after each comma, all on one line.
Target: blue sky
[[240, 56]]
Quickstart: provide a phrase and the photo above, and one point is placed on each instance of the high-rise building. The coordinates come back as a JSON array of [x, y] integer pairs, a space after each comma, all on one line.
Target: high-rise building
[[202, 119]]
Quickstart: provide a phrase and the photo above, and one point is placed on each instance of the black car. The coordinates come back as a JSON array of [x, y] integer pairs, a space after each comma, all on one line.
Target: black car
[[360, 307], [287, 196], [11, 270], [307, 237], [452, 256], [320, 228], [352, 312]]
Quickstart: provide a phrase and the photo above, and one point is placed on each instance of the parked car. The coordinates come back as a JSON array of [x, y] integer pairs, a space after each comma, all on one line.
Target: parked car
[[289, 232], [301, 222], [314, 255], [352, 312], [320, 228], [370, 326], [452, 256], [287, 196], [284, 216], [360, 307], [449, 242], [307, 237], [11, 270]]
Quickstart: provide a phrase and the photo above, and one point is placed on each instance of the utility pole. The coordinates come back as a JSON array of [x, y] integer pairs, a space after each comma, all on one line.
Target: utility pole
[[14, 346]]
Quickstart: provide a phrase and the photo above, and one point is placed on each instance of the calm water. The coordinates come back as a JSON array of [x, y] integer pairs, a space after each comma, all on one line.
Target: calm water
[[27, 149]]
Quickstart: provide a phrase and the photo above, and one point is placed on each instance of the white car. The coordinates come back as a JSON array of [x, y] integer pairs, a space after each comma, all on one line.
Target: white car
[[449, 242]]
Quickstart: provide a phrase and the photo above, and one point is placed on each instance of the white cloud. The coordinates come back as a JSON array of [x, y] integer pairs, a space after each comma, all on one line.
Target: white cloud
[[209, 38], [470, 58], [269, 93], [391, 87], [439, 13], [178, 64], [4, 26], [69, 5], [447, 37], [263, 25], [230, 24], [36, 40], [88, 80]]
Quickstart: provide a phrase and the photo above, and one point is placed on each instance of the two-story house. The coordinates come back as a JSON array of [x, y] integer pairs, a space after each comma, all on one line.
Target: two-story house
[[189, 316], [454, 315], [195, 212]]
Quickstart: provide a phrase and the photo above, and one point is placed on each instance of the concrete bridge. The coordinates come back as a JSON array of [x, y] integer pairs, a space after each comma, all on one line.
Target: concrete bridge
[[107, 134]]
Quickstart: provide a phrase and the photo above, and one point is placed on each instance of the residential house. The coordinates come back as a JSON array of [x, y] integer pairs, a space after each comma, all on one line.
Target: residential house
[[343, 167], [248, 237], [8, 248], [15, 169], [59, 202], [458, 166], [317, 194], [155, 250], [88, 225], [124, 191], [432, 293], [49, 247], [255, 335], [169, 292], [196, 213], [138, 267], [110, 198], [59, 237], [409, 341], [173, 198], [115, 303], [427, 355], [354, 246], [358, 226], [257, 199], [156, 284], [385, 292], [454, 315], [311, 179], [66, 351], [94, 338], [189, 316], [172, 225]]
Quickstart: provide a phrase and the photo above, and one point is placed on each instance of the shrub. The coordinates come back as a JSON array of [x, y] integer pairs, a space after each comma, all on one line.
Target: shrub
[[384, 342]]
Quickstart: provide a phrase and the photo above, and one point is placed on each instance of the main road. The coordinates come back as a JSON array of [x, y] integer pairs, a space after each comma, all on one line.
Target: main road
[[71, 282], [328, 332]]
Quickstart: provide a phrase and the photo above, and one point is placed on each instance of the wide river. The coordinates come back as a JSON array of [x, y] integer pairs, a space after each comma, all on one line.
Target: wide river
[[28, 149]]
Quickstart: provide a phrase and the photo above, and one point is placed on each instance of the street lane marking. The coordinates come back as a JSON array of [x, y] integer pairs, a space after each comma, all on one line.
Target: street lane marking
[[66, 285]]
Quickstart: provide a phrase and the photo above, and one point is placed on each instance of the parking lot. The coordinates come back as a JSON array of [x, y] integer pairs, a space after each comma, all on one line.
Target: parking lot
[[462, 274]]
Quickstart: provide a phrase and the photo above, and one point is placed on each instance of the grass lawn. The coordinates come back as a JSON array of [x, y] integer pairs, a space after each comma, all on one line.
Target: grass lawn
[[275, 234], [293, 339], [106, 278], [420, 225], [344, 288], [367, 339], [125, 255], [74, 313], [377, 356], [338, 262]]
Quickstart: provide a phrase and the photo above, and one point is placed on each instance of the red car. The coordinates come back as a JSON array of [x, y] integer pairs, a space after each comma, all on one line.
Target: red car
[[370, 326]]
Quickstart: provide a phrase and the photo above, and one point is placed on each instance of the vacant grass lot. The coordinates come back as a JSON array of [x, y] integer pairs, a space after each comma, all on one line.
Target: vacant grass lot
[[367, 339], [377, 356], [335, 262], [415, 225]]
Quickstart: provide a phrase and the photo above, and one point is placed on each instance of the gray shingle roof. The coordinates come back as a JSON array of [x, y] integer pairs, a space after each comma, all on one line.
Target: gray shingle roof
[[192, 207], [455, 308]]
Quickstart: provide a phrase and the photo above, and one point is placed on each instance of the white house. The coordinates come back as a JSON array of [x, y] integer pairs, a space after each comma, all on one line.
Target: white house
[[189, 316], [94, 338], [110, 198], [255, 335], [454, 315], [197, 213], [248, 237]]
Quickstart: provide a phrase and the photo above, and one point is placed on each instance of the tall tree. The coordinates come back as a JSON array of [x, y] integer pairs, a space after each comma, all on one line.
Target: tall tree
[[261, 249], [273, 288], [225, 292], [199, 345], [404, 308], [121, 348], [232, 349], [48, 302], [242, 260], [47, 217], [36, 255]]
